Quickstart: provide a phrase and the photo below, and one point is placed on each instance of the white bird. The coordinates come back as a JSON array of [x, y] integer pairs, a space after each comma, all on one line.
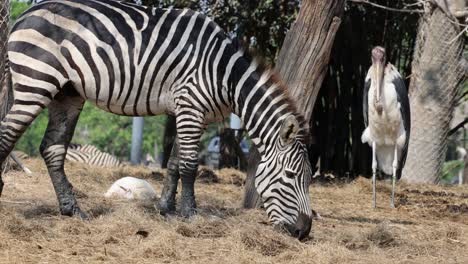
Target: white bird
[[387, 118]]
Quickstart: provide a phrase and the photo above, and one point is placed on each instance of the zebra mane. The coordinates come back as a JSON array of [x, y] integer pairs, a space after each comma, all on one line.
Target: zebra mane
[[276, 79]]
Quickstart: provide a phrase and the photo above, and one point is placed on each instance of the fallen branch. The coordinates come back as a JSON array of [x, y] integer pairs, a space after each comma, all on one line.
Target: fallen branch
[[17, 202], [20, 164]]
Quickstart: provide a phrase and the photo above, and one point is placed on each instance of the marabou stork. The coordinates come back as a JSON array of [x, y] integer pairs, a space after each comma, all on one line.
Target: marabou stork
[[387, 119]]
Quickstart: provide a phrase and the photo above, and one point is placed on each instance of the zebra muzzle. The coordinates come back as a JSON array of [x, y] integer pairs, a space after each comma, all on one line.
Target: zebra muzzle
[[301, 229]]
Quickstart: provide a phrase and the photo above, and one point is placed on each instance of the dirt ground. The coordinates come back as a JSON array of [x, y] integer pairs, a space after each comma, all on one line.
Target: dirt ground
[[429, 225]]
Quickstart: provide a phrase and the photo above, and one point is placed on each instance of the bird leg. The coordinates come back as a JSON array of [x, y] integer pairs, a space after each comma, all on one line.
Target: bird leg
[[395, 164], [374, 172]]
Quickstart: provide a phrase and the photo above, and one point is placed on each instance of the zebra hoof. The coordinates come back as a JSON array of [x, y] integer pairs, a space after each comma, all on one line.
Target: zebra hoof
[[73, 211], [80, 214], [166, 207], [188, 206]]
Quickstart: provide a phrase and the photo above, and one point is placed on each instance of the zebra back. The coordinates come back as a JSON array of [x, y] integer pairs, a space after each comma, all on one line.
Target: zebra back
[[103, 160], [86, 148], [91, 155]]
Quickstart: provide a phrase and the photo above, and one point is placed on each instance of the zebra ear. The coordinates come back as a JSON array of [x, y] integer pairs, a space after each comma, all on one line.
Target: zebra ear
[[289, 130]]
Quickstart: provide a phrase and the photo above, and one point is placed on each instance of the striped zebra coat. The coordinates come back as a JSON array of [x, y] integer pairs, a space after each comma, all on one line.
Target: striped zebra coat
[[137, 61], [91, 155]]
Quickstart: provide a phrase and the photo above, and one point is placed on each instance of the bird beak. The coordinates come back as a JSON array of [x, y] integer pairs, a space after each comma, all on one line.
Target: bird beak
[[378, 77]]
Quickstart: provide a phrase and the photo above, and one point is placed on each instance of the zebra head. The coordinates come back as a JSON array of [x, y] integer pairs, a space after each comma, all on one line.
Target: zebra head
[[283, 178]]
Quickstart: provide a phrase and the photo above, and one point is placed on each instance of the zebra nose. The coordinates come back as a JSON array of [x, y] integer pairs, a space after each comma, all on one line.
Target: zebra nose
[[302, 227]]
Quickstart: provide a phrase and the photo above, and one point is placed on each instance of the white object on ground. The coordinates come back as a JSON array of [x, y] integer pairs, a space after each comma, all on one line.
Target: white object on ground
[[131, 188], [24, 168]]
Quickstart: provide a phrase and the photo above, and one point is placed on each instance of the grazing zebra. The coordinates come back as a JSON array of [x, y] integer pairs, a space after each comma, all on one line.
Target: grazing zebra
[[137, 61], [91, 155]]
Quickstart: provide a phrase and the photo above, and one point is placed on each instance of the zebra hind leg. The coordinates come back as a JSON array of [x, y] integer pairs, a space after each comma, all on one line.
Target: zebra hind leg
[[18, 119], [63, 116], [167, 203]]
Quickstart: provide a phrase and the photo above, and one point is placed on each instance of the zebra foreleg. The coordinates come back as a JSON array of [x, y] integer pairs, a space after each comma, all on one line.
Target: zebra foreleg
[[190, 125], [167, 203], [63, 116], [188, 167]]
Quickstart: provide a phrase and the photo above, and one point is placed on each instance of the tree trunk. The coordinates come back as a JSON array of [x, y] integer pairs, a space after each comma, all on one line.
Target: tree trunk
[[170, 133], [303, 64], [437, 73], [4, 20], [251, 197], [5, 102]]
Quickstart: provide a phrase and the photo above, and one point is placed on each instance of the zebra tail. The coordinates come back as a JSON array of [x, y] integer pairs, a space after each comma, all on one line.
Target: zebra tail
[[6, 93], [6, 102]]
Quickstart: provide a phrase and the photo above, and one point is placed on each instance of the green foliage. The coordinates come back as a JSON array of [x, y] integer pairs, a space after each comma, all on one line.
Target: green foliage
[[17, 8], [451, 169], [113, 133], [464, 92], [31, 139], [260, 24]]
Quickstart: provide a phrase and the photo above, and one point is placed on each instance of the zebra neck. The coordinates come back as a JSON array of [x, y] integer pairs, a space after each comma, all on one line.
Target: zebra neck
[[259, 99]]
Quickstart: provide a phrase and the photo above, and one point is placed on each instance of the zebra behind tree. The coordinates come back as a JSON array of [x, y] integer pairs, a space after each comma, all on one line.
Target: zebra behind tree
[[137, 61]]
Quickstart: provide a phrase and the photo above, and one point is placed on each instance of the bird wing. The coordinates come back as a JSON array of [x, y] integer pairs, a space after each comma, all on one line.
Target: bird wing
[[365, 105], [402, 96]]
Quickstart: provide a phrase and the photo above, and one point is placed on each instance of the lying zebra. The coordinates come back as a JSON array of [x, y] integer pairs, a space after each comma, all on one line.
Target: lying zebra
[[137, 61], [91, 155]]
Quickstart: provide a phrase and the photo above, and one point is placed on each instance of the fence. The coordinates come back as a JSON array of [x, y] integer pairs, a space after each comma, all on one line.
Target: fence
[[437, 73]]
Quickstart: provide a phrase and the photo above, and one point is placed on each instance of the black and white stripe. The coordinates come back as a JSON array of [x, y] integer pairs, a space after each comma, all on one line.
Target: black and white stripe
[[91, 155], [136, 61], [86, 148]]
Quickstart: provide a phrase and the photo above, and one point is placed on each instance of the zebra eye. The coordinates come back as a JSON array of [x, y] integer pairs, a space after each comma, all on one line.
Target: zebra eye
[[289, 174]]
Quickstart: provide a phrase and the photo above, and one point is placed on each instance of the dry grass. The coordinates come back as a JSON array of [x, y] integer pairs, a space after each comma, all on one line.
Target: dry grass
[[430, 224]]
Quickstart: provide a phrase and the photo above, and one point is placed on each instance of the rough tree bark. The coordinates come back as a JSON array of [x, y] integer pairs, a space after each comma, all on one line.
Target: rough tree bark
[[4, 76], [302, 64], [4, 20], [437, 73]]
